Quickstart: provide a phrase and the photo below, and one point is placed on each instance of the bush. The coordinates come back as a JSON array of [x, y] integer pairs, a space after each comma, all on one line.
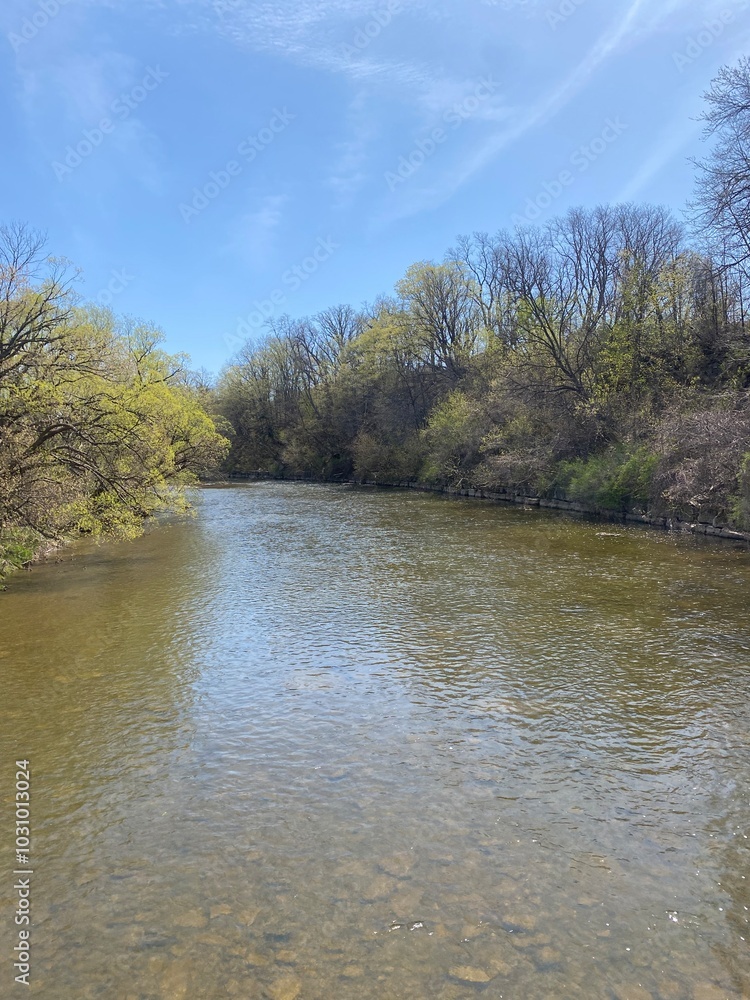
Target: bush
[[383, 461], [740, 510], [452, 438], [615, 480], [703, 456], [18, 547]]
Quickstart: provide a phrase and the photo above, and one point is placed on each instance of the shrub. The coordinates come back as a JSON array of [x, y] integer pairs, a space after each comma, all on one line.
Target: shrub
[[703, 457], [18, 546], [614, 480], [452, 439], [740, 503]]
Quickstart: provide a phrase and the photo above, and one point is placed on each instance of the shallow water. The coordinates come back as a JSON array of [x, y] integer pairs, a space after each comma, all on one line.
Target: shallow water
[[322, 742]]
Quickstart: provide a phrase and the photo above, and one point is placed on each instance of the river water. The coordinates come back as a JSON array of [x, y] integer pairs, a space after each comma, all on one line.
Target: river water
[[340, 744]]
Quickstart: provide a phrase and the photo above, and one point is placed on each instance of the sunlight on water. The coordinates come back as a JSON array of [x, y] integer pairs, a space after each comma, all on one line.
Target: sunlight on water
[[329, 743]]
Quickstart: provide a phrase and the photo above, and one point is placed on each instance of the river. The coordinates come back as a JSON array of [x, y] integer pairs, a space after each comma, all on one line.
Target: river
[[341, 744]]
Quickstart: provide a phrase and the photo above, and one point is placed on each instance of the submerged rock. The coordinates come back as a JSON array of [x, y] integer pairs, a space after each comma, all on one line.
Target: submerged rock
[[335, 774], [256, 958], [175, 981], [518, 921], [469, 931], [404, 904], [547, 958], [380, 888], [353, 972], [500, 968], [468, 974], [668, 989], [213, 940], [399, 865], [191, 918], [244, 989], [286, 988], [524, 941]]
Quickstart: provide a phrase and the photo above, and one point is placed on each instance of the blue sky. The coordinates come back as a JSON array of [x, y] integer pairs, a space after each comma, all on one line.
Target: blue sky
[[206, 162]]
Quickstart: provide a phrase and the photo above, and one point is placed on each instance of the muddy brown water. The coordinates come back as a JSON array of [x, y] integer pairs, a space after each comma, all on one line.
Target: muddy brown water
[[325, 743]]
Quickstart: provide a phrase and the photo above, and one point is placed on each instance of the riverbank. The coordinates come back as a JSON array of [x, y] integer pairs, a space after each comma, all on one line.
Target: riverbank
[[21, 548], [663, 522]]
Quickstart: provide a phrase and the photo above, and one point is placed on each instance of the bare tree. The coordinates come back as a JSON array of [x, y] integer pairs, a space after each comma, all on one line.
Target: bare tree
[[486, 260], [35, 297], [722, 203]]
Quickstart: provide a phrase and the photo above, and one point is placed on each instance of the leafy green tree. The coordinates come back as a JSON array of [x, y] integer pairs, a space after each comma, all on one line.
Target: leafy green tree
[[439, 302], [99, 428]]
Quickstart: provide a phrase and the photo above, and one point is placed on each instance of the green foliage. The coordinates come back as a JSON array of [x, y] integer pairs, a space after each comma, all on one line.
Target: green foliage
[[614, 480], [99, 428], [740, 502], [578, 397], [452, 439], [599, 355], [18, 547], [376, 460]]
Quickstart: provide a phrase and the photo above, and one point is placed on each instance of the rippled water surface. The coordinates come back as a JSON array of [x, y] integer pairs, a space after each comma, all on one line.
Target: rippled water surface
[[345, 745]]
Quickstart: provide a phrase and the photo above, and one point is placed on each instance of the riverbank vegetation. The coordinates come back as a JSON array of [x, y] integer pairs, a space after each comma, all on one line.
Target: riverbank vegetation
[[99, 428], [603, 357]]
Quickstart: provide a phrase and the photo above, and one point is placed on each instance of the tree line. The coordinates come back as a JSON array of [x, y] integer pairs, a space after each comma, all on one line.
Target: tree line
[[603, 356]]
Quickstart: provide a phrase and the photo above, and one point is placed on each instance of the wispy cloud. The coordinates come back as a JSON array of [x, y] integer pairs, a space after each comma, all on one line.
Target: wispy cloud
[[317, 34], [400, 65], [66, 94], [349, 173], [680, 137], [82, 87], [253, 237], [641, 18]]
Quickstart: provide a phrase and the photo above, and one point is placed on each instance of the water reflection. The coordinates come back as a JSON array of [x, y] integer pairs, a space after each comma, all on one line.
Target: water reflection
[[325, 742]]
